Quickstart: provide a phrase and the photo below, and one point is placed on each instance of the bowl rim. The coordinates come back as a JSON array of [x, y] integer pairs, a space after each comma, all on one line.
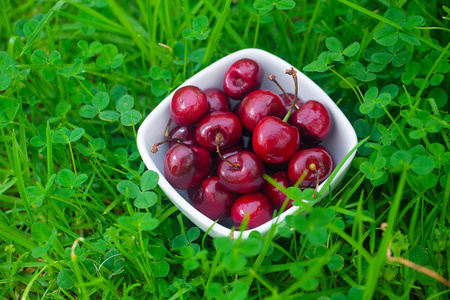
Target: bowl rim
[[209, 226]]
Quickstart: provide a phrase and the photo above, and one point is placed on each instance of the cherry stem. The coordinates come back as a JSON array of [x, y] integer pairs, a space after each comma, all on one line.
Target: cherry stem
[[273, 78], [313, 167], [293, 73], [166, 133], [155, 145], [166, 138], [219, 141]]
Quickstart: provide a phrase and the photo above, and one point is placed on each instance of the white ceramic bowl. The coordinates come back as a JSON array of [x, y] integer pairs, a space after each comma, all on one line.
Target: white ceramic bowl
[[341, 140]]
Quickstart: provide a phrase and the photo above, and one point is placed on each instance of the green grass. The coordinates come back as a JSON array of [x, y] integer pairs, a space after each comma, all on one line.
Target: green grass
[[82, 218]]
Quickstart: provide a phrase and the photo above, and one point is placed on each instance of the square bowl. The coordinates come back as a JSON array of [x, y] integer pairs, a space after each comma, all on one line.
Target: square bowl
[[340, 141]]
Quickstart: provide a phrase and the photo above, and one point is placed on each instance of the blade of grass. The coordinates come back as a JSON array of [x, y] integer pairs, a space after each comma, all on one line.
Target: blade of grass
[[95, 14], [37, 31], [95, 24], [230, 30], [380, 259], [124, 20], [50, 162], [216, 32], [306, 42], [19, 176]]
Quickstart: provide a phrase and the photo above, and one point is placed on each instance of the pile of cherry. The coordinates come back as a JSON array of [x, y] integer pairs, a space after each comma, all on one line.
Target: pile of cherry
[[220, 154]]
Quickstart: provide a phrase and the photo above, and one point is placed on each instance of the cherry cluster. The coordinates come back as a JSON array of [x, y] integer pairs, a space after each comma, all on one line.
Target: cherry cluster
[[220, 152]]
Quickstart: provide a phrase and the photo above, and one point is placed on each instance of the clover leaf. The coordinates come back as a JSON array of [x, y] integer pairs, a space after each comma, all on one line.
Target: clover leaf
[[200, 29], [73, 70]]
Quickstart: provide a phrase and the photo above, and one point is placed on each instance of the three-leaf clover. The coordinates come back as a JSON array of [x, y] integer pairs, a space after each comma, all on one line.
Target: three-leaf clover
[[374, 102], [337, 51], [64, 136], [128, 115], [110, 58], [160, 80], [143, 194], [66, 178], [73, 70], [388, 35], [200, 29], [375, 171], [90, 50], [314, 226], [99, 103], [266, 5], [139, 221], [48, 63], [236, 253]]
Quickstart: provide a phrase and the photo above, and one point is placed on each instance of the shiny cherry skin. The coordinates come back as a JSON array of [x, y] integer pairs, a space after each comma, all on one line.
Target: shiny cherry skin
[[185, 134], [242, 172], [213, 200], [275, 195], [288, 102], [219, 128], [217, 100], [189, 105], [242, 77], [303, 160], [256, 206], [313, 121], [275, 141], [186, 166], [260, 104]]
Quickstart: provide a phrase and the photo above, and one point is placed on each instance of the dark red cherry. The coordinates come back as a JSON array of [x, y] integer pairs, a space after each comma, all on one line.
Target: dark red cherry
[[288, 102], [183, 134], [275, 141], [213, 200], [242, 172], [260, 104], [256, 206], [221, 129], [313, 121], [275, 195], [316, 160], [217, 100], [186, 166], [242, 78], [188, 106]]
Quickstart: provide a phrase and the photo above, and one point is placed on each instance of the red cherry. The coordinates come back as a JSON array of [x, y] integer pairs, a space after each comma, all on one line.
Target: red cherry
[[186, 166], [313, 121], [256, 206], [213, 200], [275, 195], [316, 160], [275, 141], [260, 104], [220, 129], [183, 134], [242, 172], [242, 78], [217, 100], [188, 106]]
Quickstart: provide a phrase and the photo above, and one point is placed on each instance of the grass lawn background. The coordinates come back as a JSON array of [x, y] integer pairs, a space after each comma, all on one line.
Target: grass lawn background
[[82, 218]]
